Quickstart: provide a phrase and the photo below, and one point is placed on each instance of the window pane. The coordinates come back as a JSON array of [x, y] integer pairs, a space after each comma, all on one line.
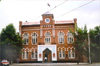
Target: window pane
[[25, 38], [47, 37], [63, 54], [70, 38], [61, 37], [60, 54], [26, 54], [34, 38]]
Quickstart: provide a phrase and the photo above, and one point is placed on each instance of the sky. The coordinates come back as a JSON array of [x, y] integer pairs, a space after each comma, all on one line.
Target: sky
[[86, 11]]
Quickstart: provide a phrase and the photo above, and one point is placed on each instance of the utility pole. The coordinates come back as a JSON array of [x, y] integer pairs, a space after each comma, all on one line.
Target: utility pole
[[89, 48]]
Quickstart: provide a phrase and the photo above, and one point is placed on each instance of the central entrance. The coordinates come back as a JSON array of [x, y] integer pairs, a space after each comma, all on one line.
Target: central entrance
[[47, 55]]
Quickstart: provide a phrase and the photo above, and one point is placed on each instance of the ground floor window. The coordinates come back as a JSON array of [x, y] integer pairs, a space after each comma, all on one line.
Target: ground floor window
[[24, 55], [61, 54], [34, 54], [71, 54]]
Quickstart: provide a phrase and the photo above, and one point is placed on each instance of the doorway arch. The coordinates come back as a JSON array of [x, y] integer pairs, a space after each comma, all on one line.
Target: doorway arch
[[47, 55]]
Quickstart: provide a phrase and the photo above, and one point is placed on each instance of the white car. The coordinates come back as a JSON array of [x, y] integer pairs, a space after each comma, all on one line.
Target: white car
[[5, 63]]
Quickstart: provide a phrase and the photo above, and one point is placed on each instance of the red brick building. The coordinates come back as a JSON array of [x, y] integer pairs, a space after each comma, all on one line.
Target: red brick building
[[48, 40]]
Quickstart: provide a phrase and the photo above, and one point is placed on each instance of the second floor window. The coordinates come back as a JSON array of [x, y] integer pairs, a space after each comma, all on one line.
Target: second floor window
[[70, 38], [47, 38], [61, 38], [25, 38], [34, 38]]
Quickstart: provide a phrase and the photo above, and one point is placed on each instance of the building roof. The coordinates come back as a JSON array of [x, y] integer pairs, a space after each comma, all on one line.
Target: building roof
[[64, 22], [31, 23], [47, 12], [56, 22]]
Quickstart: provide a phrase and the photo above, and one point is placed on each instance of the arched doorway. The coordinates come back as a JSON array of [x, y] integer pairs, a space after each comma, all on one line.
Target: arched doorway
[[47, 55]]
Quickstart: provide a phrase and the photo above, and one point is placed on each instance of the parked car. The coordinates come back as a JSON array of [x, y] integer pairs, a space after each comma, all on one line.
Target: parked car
[[5, 63]]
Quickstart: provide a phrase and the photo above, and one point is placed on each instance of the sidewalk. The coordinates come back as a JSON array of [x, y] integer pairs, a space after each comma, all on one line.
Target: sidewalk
[[48, 64]]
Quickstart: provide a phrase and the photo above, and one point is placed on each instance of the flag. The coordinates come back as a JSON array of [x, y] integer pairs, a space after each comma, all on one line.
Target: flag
[[48, 4]]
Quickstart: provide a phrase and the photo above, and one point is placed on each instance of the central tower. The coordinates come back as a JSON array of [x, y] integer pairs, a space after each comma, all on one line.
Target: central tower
[[47, 23], [47, 18]]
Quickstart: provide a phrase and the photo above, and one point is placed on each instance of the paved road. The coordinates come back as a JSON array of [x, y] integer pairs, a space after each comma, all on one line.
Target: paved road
[[55, 64]]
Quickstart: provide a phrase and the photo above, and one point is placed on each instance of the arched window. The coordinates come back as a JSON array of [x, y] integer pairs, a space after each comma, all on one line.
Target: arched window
[[25, 38], [61, 38], [70, 38], [34, 38], [47, 38]]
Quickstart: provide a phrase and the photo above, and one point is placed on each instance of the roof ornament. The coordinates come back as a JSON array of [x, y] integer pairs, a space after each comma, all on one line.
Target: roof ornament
[[26, 21]]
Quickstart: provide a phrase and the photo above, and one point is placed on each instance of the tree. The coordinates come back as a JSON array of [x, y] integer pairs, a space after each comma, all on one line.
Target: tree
[[81, 43], [10, 43], [95, 43]]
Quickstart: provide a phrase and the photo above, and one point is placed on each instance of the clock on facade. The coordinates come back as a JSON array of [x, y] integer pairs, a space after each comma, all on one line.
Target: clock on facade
[[47, 20]]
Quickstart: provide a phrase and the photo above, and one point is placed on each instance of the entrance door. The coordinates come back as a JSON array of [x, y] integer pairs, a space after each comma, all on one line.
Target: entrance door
[[47, 55]]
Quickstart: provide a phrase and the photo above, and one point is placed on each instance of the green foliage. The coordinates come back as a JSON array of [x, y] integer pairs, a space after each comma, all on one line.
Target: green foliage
[[9, 35], [10, 39], [81, 42], [95, 43]]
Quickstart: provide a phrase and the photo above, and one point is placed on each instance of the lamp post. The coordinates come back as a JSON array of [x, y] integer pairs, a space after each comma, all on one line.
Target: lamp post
[[89, 48]]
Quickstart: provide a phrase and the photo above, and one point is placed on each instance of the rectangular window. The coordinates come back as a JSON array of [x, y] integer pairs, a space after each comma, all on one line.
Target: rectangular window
[[24, 55], [71, 54], [47, 40], [61, 54], [34, 54]]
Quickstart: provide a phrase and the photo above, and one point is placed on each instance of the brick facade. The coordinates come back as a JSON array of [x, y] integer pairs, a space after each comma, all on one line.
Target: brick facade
[[54, 28]]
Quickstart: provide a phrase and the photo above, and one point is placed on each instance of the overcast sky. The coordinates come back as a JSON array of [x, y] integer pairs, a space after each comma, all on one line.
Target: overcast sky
[[86, 11]]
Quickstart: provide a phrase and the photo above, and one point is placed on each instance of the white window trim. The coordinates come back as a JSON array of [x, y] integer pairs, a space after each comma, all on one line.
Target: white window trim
[[72, 38], [46, 43], [25, 55], [71, 57], [35, 38], [35, 54], [59, 37], [62, 56], [25, 37]]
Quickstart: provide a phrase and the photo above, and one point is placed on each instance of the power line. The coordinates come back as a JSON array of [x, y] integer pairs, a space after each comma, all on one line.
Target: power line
[[58, 5], [75, 8]]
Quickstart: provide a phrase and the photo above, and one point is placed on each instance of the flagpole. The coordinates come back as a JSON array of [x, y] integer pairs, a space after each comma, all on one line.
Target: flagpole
[[48, 7]]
